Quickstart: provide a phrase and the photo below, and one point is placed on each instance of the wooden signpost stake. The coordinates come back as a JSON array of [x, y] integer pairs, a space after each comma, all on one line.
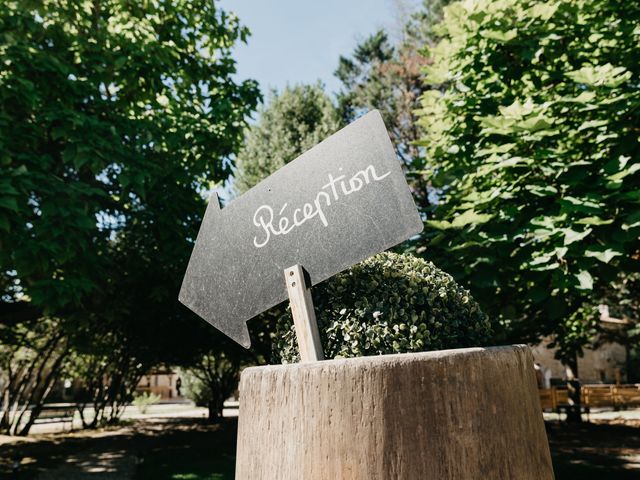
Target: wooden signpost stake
[[304, 316]]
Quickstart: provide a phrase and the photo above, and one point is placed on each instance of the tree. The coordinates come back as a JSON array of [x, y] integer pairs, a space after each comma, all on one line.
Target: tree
[[532, 138], [291, 123], [106, 370], [386, 75], [114, 118], [31, 354], [211, 380], [142, 109]]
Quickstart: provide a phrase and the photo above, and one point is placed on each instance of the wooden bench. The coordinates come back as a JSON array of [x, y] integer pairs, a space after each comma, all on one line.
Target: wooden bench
[[556, 399], [598, 395], [56, 413], [548, 398], [562, 396], [627, 395]]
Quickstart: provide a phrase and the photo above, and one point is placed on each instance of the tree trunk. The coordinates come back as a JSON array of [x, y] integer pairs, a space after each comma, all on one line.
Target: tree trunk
[[574, 410], [214, 413], [456, 414], [43, 393]]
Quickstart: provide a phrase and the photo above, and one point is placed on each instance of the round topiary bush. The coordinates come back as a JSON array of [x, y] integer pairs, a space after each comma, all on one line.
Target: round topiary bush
[[389, 304]]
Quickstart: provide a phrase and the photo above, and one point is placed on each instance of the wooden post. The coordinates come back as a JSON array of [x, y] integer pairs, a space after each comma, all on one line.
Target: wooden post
[[304, 316], [456, 414]]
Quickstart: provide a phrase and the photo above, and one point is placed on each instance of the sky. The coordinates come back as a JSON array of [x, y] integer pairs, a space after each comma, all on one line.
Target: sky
[[300, 41]]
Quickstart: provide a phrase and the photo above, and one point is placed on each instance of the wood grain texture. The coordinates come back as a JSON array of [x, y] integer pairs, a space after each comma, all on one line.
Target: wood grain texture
[[455, 414], [304, 316]]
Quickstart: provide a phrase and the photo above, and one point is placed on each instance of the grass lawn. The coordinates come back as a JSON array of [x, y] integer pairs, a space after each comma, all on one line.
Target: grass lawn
[[189, 449]]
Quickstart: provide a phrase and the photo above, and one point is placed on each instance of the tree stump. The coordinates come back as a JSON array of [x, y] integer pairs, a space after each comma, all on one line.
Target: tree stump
[[455, 414]]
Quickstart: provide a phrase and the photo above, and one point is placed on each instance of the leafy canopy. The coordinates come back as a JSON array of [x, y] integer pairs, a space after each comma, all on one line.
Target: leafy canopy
[[113, 116], [531, 135], [385, 73], [291, 123]]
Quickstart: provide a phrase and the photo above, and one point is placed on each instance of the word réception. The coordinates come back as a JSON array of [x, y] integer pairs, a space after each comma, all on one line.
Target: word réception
[[264, 214]]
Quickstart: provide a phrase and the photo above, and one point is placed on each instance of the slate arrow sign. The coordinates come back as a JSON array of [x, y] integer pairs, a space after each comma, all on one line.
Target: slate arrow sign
[[335, 205]]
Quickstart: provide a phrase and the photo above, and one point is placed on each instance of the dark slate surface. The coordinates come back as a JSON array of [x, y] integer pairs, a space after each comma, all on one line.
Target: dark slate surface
[[236, 268]]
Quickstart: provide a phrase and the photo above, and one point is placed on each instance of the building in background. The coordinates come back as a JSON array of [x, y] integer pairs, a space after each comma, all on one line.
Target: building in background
[[605, 363], [163, 382]]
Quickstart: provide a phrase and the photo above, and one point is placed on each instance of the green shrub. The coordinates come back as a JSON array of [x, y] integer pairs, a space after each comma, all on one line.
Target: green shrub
[[389, 304], [145, 400]]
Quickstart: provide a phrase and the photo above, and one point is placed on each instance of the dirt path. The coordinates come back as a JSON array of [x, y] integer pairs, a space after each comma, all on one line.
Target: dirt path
[[142, 449], [607, 449], [191, 449], [101, 454]]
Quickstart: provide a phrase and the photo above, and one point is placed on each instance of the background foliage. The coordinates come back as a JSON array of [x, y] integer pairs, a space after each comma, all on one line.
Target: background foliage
[[531, 137], [138, 115], [386, 74], [114, 117], [291, 123], [212, 379]]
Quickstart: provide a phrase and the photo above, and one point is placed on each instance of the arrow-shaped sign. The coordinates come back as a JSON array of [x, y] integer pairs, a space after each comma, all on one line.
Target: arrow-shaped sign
[[335, 205]]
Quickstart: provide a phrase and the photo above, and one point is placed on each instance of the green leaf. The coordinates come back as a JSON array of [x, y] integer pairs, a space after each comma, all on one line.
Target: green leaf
[[517, 109], [543, 11], [541, 190], [9, 203], [470, 217], [439, 224], [499, 35], [598, 75], [604, 256], [7, 188], [120, 62], [594, 221], [500, 148], [571, 236], [618, 177], [585, 279], [592, 124], [580, 204], [542, 259], [535, 123], [464, 245], [629, 226], [496, 124], [550, 266], [509, 162]]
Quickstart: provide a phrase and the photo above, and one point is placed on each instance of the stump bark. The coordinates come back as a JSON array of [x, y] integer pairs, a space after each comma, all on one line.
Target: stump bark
[[455, 414]]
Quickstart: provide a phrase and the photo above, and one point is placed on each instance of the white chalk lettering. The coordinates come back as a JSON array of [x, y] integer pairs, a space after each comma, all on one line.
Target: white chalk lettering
[[263, 218]]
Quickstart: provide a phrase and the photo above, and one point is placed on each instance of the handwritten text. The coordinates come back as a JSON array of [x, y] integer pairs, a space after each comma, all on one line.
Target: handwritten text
[[289, 219]]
